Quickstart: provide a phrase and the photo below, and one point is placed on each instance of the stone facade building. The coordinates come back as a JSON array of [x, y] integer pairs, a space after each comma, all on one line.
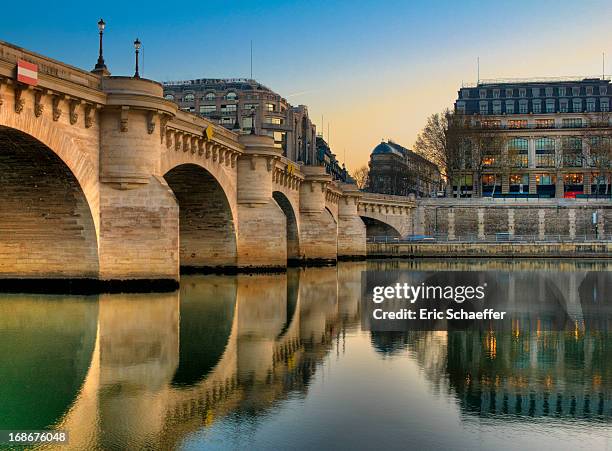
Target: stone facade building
[[535, 138], [239, 104], [400, 171]]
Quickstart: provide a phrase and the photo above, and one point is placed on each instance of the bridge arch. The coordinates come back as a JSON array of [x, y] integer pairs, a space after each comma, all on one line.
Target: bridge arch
[[48, 222], [207, 231], [293, 234], [376, 227]]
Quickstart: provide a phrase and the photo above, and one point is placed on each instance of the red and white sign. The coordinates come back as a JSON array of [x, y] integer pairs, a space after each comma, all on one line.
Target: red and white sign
[[27, 73]]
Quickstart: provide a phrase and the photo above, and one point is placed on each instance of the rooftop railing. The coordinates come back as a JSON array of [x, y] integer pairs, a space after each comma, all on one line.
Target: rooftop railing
[[497, 81]]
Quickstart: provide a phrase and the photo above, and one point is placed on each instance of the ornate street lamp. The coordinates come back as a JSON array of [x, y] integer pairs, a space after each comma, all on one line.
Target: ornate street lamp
[[100, 66], [137, 45]]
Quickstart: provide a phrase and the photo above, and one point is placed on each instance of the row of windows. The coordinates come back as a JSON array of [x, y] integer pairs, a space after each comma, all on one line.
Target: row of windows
[[542, 179], [550, 106], [207, 96], [575, 122], [548, 91]]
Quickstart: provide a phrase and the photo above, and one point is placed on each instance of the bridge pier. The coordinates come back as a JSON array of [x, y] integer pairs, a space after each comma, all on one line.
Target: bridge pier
[[318, 228], [262, 225], [351, 229], [139, 222]]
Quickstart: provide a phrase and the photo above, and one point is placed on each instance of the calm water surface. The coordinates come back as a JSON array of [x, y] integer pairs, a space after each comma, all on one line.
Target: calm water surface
[[281, 362]]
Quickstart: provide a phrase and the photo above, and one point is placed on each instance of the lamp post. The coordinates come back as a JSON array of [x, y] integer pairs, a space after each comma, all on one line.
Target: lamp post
[[100, 66], [137, 44]]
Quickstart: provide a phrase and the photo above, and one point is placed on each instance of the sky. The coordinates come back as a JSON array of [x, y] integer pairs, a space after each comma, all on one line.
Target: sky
[[367, 70]]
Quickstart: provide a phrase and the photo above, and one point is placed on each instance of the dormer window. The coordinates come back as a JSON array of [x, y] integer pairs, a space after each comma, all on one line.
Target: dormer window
[[603, 90], [589, 90], [231, 96], [169, 97], [210, 96], [522, 92], [483, 93], [496, 93], [562, 91], [188, 98], [509, 92], [549, 91], [575, 90], [535, 92]]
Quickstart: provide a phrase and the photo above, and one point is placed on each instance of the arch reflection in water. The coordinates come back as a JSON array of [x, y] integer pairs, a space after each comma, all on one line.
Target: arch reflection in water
[[146, 370]]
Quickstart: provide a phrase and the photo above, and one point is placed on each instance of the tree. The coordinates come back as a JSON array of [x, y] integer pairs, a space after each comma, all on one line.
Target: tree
[[361, 177], [431, 142], [598, 141]]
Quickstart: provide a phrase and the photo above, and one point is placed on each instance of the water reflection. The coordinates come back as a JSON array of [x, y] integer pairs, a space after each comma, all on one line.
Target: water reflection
[[161, 371]]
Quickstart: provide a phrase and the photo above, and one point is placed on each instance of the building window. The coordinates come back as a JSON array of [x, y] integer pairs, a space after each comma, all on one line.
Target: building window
[[188, 98], [563, 106], [465, 93], [562, 91], [577, 105], [461, 107], [509, 92], [523, 107], [510, 106], [545, 152], [207, 109], [169, 97], [572, 123], [522, 92], [519, 179], [496, 107], [496, 93], [231, 96], [550, 105], [483, 93], [573, 179], [572, 151], [210, 96], [575, 90], [518, 152], [517, 123], [492, 123], [603, 90], [535, 92], [545, 123], [590, 105], [228, 108], [537, 106], [274, 120], [545, 179], [250, 106], [549, 92], [589, 90], [269, 107], [484, 107], [604, 105]]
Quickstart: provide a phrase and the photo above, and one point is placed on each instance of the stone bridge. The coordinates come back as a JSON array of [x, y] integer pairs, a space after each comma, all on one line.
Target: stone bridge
[[103, 178]]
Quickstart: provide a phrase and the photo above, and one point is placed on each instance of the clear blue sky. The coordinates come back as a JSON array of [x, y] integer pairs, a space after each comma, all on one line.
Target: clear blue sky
[[375, 69]]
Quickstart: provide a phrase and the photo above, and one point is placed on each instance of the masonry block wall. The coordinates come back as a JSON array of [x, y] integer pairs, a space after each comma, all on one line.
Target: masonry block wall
[[139, 232], [474, 219]]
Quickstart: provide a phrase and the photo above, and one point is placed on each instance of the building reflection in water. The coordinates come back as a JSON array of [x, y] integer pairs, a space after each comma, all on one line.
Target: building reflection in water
[[125, 371], [528, 367]]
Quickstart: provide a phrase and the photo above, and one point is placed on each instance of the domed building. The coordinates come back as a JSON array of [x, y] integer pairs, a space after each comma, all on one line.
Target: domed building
[[397, 170]]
